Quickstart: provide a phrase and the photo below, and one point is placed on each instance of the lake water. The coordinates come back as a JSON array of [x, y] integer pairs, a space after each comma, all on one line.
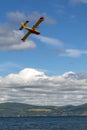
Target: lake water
[[44, 123]]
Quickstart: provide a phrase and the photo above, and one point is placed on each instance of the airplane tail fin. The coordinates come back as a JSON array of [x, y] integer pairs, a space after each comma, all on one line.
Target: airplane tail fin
[[23, 25]]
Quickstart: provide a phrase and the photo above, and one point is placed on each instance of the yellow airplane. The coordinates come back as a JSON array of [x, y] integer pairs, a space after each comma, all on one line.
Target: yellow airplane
[[31, 30]]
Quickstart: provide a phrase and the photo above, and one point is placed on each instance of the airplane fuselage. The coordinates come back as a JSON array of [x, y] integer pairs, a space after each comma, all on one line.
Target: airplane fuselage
[[32, 30]]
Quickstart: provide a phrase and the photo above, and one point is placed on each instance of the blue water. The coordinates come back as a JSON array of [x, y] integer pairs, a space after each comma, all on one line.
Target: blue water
[[44, 123]]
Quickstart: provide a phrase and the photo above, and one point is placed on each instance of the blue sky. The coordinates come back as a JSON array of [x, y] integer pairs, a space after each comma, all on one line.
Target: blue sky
[[59, 52]]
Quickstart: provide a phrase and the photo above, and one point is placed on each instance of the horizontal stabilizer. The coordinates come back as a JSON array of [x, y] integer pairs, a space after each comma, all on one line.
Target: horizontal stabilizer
[[21, 28], [23, 24]]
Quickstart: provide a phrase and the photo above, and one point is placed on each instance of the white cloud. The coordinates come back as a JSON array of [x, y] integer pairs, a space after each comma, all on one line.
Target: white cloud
[[78, 1], [16, 16], [33, 86], [11, 40], [48, 40], [72, 52], [75, 53]]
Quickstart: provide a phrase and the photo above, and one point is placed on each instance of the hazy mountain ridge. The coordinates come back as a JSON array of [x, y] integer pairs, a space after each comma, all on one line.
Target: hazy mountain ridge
[[25, 110]]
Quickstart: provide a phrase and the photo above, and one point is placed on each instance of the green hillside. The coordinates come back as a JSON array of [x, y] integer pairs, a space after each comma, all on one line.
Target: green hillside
[[25, 110]]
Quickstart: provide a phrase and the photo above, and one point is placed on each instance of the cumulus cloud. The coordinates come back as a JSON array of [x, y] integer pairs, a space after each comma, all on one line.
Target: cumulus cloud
[[33, 86]]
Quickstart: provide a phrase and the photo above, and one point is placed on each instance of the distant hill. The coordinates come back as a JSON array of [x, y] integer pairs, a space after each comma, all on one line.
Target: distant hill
[[25, 110]]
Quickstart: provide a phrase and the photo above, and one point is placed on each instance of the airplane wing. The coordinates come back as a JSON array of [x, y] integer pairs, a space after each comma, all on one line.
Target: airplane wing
[[38, 22], [26, 35]]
